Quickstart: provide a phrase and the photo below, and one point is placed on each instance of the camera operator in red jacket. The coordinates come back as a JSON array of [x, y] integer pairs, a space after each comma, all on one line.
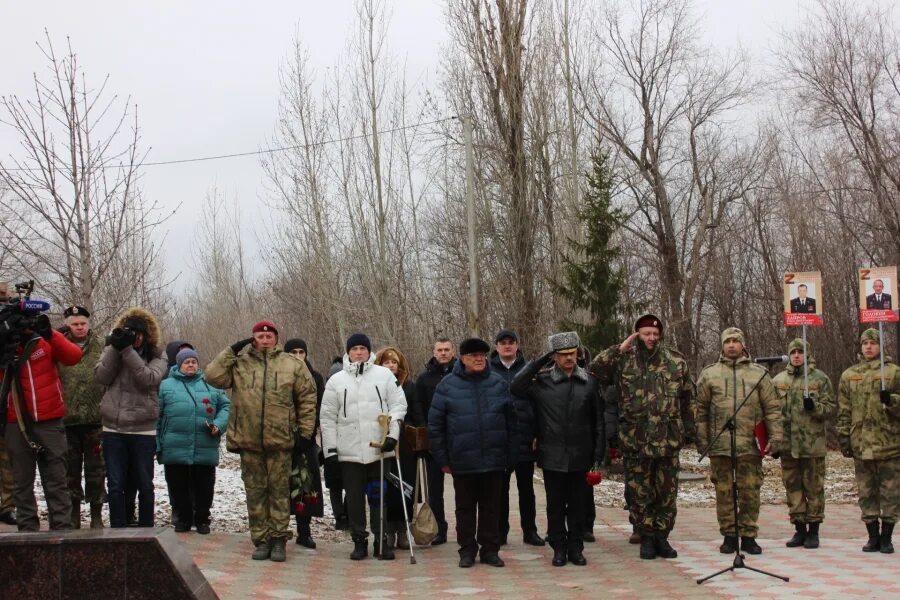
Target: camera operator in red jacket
[[43, 409]]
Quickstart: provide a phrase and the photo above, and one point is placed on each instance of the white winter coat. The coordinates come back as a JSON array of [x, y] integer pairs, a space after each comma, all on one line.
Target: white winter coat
[[354, 397]]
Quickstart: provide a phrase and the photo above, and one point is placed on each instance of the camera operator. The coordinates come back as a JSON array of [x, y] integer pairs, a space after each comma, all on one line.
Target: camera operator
[[40, 409], [131, 367]]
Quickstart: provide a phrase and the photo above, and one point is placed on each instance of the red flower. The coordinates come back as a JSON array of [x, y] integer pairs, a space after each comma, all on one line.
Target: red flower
[[299, 508], [311, 498], [97, 450], [206, 401], [209, 410], [593, 477]]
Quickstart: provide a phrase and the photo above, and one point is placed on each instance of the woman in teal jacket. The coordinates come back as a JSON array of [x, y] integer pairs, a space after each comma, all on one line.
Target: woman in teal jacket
[[192, 418]]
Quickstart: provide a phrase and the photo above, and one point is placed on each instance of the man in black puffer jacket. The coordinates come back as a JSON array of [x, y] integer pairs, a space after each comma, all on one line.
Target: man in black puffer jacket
[[570, 439], [507, 360], [471, 427]]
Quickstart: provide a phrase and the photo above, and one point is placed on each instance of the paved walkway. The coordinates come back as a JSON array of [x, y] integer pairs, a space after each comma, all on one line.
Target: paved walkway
[[837, 570]]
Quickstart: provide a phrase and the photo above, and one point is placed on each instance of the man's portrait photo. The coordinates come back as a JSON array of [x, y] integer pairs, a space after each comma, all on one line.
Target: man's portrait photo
[[879, 299], [803, 303]]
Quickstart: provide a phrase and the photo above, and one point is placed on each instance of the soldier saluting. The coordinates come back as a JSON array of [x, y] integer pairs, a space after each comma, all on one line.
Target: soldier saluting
[[721, 388], [806, 410], [656, 419]]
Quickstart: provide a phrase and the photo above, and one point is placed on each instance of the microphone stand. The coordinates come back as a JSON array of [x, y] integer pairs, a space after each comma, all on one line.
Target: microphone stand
[[730, 426]]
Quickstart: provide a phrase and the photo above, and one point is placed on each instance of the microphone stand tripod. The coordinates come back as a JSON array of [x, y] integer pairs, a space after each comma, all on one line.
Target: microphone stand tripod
[[730, 426]]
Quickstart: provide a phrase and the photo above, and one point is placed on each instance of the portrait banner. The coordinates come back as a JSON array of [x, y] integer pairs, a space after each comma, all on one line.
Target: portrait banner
[[877, 289], [803, 298]]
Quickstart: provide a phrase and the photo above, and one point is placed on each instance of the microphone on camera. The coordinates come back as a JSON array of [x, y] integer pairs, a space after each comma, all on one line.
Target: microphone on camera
[[771, 360], [31, 306]]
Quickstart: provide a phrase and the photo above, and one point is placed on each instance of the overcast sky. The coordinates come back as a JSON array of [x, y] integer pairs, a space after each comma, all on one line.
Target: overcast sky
[[204, 74]]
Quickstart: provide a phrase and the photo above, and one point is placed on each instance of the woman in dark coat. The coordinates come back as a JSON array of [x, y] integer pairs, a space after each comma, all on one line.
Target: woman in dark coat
[[306, 482], [392, 359]]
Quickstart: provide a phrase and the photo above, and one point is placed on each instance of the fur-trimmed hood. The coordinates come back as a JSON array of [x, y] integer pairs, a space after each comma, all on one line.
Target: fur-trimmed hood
[[153, 334]]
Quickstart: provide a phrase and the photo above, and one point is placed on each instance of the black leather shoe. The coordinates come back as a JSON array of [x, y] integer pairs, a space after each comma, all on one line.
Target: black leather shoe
[[729, 545], [8, 517], [466, 561], [182, 527], [306, 541], [577, 558], [360, 550], [203, 529], [533, 539], [492, 559], [439, 539], [559, 557], [588, 537], [750, 546]]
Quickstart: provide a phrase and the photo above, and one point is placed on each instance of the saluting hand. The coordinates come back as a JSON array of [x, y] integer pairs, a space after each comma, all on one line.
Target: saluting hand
[[626, 345]]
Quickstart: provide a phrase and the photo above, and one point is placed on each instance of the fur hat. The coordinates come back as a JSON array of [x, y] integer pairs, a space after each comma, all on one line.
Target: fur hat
[[564, 343], [473, 345]]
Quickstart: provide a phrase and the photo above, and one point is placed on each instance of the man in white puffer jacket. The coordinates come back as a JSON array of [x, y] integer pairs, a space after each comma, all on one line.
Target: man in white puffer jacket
[[354, 397]]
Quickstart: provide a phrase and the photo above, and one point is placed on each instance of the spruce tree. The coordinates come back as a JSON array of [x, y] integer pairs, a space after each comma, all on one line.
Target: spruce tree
[[590, 280]]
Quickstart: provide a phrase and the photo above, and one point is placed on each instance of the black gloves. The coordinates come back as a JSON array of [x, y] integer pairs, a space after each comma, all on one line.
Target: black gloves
[[846, 448], [885, 397], [121, 338], [42, 327], [808, 403], [238, 346], [304, 443], [388, 445]]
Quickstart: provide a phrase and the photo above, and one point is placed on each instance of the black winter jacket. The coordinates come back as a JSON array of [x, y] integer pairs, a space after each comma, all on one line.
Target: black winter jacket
[[569, 414], [525, 429], [426, 383], [472, 423]]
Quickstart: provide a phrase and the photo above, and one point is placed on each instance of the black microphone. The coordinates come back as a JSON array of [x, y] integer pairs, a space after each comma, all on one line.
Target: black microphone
[[771, 360]]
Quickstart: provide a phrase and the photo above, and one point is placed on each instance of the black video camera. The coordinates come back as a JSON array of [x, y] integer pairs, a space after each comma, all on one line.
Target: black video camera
[[20, 315]]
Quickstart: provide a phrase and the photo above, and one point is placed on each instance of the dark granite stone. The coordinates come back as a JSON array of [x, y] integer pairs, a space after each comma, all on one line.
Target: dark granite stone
[[132, 563]]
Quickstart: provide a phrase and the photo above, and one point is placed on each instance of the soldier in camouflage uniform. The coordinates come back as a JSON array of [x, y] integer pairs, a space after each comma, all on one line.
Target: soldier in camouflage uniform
[[868, 429], [656, 419], [273, 403], [805, 414], [83, 429], [721, 387], [7, 504]]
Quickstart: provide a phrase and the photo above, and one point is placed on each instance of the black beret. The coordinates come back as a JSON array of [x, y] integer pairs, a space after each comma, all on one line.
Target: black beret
[[76, 311]]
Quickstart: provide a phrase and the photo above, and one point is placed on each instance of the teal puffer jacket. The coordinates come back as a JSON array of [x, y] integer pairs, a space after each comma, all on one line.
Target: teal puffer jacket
[[186, 405]]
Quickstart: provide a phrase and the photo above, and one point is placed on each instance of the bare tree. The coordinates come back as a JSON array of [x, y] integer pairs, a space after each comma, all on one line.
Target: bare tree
[[72, 187]]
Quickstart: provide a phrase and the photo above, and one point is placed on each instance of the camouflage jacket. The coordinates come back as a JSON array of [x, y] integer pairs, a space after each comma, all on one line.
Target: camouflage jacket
[[720, 389], [871, 429], [82, 394], [804, 430], [273, 396], [656, 404]]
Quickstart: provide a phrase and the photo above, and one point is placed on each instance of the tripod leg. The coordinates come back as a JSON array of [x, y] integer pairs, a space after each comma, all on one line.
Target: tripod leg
[[717, 573]]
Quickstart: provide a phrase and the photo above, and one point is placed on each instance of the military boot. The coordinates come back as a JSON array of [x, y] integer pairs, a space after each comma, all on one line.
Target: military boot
[[874, 543], [887, 529], [76, 515], [648, 547], [635, 537], [799, 536], [663, 548], [360, 550], [263, 551], [729, 545], [278, 554], [96, 516], [812, 537], [749, 545]]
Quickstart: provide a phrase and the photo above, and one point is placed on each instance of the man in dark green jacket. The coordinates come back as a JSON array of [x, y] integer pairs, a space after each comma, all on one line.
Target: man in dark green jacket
[[83, 430]]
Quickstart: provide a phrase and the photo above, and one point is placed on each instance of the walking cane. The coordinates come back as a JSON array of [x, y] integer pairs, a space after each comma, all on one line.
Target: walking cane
[[409, 540], [384, 422]]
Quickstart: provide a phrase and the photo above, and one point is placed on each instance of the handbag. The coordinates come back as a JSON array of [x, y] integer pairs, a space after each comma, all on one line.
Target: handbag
[[416, 438], [424, 525]]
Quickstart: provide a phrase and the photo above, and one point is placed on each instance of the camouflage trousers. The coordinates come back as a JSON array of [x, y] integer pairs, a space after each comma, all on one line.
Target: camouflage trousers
[[267, 482], [879, 489], [7, 487], [653, 487], [749, 482], [85, 449], [804, 482]]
